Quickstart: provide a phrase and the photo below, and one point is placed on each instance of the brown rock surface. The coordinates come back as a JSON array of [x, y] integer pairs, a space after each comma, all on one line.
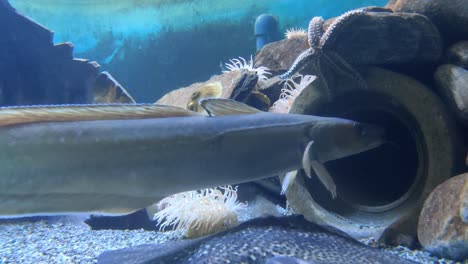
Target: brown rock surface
[[450, 16], [443, 223], [374, 38], [388, 38], [280, 55], [182, 96], [452, 83]]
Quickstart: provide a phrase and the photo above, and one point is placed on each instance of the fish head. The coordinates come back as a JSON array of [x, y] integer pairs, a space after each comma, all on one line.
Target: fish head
[[337, 138], [209, 90]]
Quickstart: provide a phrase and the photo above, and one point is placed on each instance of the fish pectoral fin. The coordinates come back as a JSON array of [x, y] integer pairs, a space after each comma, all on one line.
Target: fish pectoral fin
[[306, 158], [221, 107], [288, 180], [308, 162], [324, 176]]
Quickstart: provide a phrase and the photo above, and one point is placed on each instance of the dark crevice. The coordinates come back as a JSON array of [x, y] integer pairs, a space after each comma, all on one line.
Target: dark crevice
[[380, 179]]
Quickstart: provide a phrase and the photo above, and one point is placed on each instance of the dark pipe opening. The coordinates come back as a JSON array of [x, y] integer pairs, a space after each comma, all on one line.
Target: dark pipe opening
[[380, 179]]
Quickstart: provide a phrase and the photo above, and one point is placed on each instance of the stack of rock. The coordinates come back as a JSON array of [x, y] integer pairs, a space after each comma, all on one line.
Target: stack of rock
[[443, 223]]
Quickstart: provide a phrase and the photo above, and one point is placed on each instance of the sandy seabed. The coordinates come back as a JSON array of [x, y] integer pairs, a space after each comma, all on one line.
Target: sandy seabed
[[68, 241]]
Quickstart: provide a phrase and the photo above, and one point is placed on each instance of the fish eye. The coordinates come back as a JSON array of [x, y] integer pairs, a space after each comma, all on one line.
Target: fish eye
[[195, 95], [192, 106]]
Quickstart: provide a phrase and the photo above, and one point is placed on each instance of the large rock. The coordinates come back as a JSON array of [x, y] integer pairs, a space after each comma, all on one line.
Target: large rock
[[280, 55], [443, 223], [240, 85], [388, 38], [375, 38], [458, 54], [183, 96], [450, 16], [452, 82]]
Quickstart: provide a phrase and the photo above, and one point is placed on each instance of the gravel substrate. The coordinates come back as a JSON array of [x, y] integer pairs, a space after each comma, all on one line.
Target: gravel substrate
[[67, 242], [414, 255], [70, 242]]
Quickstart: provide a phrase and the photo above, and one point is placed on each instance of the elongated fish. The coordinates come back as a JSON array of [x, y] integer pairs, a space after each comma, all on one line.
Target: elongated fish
[[61, 166]]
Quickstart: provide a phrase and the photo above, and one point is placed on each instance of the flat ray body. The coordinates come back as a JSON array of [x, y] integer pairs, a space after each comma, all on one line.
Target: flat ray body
[[263, 240], [120, 166]]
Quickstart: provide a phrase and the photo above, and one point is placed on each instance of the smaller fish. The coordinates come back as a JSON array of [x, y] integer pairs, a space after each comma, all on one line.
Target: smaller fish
[[210, 90]]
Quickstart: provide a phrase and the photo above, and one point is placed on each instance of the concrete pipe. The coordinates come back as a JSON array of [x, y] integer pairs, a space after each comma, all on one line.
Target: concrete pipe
[[382, 189]]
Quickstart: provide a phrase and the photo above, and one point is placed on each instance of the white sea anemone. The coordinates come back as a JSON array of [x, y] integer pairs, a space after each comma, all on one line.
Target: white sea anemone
[[290, 91], [200, 213], [242, 64], [295, 33]]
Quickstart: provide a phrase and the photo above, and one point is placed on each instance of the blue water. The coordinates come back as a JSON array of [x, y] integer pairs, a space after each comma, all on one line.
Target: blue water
[[140, 41]]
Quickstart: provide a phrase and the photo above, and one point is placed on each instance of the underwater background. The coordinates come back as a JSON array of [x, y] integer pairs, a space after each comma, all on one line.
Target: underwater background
[[156, 46], [391, 172]]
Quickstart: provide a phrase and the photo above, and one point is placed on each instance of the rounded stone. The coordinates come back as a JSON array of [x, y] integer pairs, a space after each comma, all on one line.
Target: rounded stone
[[450, 16], [182, 96], [451, 81], [375, 38], [443, 223], [458, 54]]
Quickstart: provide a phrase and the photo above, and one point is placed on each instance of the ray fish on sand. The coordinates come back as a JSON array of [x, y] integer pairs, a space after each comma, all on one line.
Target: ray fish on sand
[[271, 240]]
